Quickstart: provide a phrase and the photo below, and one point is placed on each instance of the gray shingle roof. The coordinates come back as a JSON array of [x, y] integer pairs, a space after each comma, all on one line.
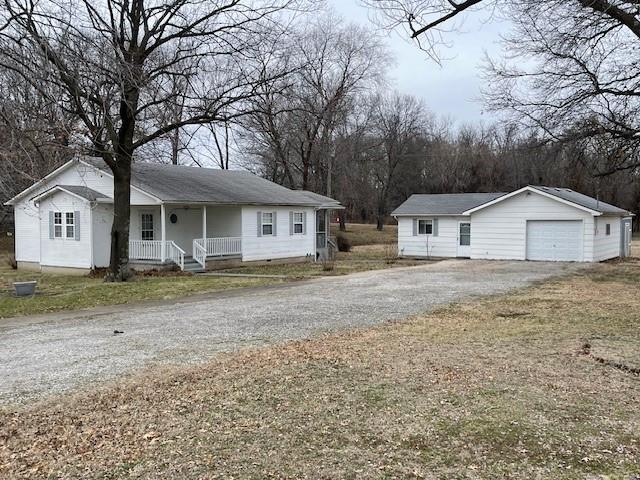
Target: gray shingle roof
[[79, 190], [321, 199], [583, 200], [181, 184], [443, 204], [85, 192]]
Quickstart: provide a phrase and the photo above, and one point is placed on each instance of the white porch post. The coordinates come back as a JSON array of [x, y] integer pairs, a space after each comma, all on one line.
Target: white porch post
[[163, 233], [204, 224]]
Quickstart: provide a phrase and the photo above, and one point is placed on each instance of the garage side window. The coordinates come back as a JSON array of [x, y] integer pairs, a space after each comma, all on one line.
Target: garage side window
[[146, 224], [607, 229], [425, 227]]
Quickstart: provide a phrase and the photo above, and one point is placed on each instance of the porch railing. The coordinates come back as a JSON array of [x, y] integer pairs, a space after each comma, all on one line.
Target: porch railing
[[152, 250], [217, 247], [175, 254], [200, 252]]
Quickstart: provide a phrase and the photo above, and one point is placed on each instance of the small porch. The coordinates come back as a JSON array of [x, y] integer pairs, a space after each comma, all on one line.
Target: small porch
[[185, 235]]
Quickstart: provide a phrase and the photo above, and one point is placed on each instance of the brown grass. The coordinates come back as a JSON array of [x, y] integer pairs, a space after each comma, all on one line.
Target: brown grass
[[367, 234], [496, 388]]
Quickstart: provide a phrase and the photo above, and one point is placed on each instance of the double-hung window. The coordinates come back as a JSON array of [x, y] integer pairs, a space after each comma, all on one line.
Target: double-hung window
[[298, 222], [70, 225], [267, 223], [425, 227], [146, 226], [57, 225]]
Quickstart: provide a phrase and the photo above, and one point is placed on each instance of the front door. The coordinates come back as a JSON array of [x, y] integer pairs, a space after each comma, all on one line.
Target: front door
[[464, 239]]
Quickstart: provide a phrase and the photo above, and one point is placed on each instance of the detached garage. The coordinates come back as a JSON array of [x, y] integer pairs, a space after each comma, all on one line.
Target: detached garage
[[532, 223]]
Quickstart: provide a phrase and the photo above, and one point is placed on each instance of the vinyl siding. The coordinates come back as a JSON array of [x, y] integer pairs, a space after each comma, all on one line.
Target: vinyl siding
[[606, 246], [498, 232], [443, 245], [65, 252], [281, 245], [102, 220], [27, 217]]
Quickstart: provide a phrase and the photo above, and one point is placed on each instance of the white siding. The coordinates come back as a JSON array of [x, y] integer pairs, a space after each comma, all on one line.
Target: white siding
[[499, 232], [606, 246], [27, 233], [188, 226], [224, 222], [134, 223], [27, 216], [443, 245], [102, 219], [281, 245], [65, 252]]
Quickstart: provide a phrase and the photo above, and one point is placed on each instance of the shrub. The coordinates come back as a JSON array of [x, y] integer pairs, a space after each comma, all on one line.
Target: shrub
[[343, 242], [327, 265]]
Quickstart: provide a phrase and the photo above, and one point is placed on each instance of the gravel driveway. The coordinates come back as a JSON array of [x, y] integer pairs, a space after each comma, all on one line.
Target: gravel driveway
[[49, 354]]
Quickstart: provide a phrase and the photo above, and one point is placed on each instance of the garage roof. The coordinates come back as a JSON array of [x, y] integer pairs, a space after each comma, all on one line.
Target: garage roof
[[583, 200], [443, 203], [467, 203]]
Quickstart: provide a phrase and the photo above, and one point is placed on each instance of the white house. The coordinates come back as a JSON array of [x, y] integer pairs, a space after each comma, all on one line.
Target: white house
[[532, 223], [184, 215]]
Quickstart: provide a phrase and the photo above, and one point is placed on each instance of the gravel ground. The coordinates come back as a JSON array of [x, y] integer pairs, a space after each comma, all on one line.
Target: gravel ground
[[46, 355]]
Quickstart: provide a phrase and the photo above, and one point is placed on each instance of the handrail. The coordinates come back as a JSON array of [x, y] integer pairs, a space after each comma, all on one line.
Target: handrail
[[175, 253], [200, 252]]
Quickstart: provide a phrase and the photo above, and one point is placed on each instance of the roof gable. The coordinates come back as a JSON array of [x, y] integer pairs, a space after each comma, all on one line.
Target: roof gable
[[562, 195], [443, 203], [78, 191]]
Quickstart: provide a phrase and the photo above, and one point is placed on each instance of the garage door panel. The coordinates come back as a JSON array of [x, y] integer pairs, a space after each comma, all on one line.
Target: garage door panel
[[554, 240]]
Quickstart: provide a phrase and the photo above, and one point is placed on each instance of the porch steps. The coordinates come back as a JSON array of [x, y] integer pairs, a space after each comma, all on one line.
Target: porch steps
[[190, 265]]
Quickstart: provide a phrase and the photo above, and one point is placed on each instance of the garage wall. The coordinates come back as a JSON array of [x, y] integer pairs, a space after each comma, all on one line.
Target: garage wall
[[282, 245], [444, 245], [606, 246], [499, 232]]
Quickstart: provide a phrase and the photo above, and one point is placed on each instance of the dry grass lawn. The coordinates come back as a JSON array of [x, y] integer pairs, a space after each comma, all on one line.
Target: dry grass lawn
[[72, 292], [498, 388], [367, 234]]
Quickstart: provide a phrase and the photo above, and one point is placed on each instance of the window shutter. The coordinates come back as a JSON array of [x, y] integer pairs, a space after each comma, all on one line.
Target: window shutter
[[76, 223], [259, 224], [435, 227], [275, 223], [51, 224], [415, 227], [290, 223], [304, 223]]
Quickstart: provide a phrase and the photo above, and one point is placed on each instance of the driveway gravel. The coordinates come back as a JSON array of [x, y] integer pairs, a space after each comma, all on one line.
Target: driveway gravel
[[46, 355]]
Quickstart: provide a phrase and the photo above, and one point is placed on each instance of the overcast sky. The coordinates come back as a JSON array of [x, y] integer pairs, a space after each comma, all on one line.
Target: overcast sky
[[451, 89]]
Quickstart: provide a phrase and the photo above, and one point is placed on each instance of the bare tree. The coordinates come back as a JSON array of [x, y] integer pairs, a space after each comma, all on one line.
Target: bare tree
[[570, 70], [115, 64], [293, 132], [399, 123]]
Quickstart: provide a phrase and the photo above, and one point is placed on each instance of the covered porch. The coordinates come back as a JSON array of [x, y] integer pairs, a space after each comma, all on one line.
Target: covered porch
[[186, 235]]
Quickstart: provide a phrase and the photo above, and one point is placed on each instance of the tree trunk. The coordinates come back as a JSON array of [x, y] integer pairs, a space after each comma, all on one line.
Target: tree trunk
[[119, 262], [341, 221]]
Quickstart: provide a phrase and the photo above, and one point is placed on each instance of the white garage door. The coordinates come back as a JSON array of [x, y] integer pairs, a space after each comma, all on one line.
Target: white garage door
[[555, 240]]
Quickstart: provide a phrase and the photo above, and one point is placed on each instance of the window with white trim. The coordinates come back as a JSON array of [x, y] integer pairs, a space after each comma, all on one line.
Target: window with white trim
[[267, 223], [298, 222], [146, 226], [70, 225], [57, 224], [425, 227]]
